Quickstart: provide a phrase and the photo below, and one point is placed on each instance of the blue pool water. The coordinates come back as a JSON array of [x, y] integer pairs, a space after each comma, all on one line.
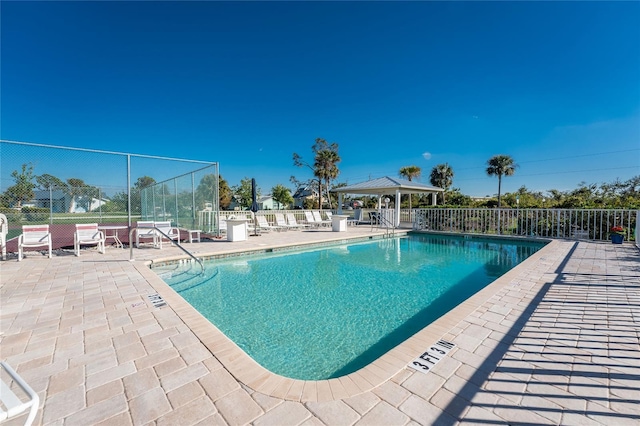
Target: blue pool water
[[323, 313]]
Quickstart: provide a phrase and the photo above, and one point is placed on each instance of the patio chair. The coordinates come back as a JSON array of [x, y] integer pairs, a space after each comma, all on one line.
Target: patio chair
[[88, 234], [311, 220], [4, 230], [12, 404], [318, 218], [281, 222], [357, 218], [34, 236], [291, 220], [145, 231], [165, 227], [263, 224]]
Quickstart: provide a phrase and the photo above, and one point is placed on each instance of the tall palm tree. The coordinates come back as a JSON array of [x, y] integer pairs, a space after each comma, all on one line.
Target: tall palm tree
[[410, 172], [326, 162], [500, 165], [442, 176]]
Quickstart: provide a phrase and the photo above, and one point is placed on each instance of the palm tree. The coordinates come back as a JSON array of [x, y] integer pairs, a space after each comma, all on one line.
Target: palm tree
[[500, 165], [410, 172], [325, 164], [442, 176]]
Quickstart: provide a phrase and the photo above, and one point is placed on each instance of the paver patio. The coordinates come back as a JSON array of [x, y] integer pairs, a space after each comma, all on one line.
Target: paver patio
[[555, 341]]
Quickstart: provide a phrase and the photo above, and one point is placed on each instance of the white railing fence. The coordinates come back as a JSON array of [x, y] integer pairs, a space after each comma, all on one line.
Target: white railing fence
[[591, 224]]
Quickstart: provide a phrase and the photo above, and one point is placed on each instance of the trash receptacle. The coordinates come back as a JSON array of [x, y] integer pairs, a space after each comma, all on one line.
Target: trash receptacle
[[237, 229], [339, 222]]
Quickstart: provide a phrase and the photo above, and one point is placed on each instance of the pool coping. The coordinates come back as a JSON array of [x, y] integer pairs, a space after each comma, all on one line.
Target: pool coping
[[248, 372]]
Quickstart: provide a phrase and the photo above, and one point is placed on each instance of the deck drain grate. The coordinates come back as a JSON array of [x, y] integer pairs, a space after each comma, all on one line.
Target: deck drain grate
[[157, 300]]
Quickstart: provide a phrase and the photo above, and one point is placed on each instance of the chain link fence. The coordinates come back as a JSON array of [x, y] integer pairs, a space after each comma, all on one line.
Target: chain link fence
[[44, 184], [183, 199]]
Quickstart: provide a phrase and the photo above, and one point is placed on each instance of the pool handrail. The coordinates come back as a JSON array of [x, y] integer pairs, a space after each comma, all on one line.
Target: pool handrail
[[176, 242]]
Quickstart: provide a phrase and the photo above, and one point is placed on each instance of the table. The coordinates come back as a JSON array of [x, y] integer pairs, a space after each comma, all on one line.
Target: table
[[339, 222], [194, 235], [237, 229], [115, 229]]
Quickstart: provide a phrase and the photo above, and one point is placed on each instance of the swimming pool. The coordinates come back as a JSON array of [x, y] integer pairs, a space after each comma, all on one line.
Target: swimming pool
[[322, 313]]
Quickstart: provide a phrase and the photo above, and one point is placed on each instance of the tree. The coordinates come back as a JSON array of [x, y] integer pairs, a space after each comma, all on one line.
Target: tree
[[325, 166], [47, 181], [136, 192], [456, 198], [501, 165], [206, 191], [523, 198], [84, 193], [299, 162], [224, 192], [243, 193], [22, 190], [281, 194], [410, 172], [442, 176], [326, 163]]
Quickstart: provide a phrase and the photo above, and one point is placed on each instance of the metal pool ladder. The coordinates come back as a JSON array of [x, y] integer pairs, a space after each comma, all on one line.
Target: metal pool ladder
[[177, 243], [382, 220]]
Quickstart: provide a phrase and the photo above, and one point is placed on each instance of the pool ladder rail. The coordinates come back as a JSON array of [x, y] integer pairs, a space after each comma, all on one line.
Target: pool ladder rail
[[176, 242], [380, 220]]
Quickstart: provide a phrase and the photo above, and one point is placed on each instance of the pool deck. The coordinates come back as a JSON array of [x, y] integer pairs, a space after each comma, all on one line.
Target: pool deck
[[554, 341]]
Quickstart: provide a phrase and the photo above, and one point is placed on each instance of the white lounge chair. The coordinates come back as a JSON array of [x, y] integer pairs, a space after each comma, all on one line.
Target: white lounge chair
[[4, 230], [13, 405], [34, 236], [318, 218], [145, 231], [311, 221], [88, 234], [291, 220], [281, 222], [166, 228], [263, 224]]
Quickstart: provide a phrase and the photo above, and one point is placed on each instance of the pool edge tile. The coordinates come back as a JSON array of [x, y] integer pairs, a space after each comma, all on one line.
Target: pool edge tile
[[256, 377]]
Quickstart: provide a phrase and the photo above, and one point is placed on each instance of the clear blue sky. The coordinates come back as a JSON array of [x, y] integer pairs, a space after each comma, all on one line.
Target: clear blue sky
[[556, 85]]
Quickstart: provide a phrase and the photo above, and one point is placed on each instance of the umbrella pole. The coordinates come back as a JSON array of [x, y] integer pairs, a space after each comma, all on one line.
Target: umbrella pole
[[255, 226]]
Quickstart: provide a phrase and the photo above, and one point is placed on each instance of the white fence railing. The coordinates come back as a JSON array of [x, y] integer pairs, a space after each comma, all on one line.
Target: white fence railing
[[208, 220], [591, 224]]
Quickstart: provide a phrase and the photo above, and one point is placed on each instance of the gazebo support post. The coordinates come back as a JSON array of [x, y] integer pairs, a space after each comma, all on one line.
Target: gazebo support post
[[397, 209]]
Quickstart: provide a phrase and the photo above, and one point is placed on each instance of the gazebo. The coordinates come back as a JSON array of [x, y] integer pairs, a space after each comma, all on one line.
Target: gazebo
[[387, 186]]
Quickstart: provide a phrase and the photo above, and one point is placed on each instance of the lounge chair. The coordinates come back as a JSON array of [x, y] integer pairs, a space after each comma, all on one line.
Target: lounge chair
[[13, 405], [166, 228], [291, 220], [311, 221], [318, 217], [281, 222], [4, 230], [145, 231], [88, 234], [34, 236], [263, 224]]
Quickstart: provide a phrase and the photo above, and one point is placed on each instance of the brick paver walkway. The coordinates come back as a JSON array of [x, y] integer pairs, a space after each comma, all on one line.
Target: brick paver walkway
[[556, 344]]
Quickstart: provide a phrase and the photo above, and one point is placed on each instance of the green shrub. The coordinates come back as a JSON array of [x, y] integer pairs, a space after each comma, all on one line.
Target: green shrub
[[36, 214], [13, 215]]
